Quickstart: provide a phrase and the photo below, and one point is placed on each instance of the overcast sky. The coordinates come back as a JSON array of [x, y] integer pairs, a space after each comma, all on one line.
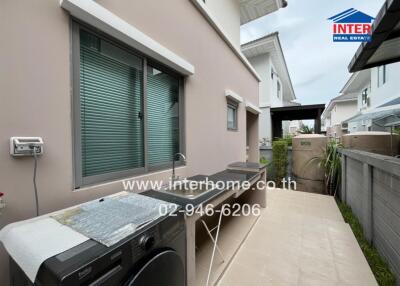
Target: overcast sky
[[317, 66]]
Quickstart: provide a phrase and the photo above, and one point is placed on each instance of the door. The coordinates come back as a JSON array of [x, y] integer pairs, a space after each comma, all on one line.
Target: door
[[164, 269]]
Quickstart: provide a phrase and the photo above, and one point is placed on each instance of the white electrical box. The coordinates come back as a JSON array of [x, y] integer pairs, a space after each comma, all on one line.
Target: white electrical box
[[26, 146]]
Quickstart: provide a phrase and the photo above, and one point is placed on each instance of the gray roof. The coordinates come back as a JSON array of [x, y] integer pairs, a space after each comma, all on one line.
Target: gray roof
[[392, 102], [376, 116]]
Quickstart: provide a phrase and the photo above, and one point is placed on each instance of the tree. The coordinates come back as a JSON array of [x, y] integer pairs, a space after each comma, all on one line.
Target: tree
[[305, 129]]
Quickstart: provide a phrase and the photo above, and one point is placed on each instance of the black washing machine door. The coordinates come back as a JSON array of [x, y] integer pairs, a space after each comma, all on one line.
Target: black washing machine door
[[164, 269]]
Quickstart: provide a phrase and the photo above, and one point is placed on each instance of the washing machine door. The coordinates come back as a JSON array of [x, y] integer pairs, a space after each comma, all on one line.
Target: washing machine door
[[164, 269]]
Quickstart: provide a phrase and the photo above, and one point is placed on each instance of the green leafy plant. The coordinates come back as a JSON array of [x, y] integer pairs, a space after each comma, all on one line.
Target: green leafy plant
[[305, 129], [331, 162], [378, 266], [279, 160], [263, 160], [288, 139]]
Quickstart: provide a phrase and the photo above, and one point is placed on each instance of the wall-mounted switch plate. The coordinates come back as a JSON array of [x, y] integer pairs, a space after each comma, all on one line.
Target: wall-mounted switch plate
[[25, 146]]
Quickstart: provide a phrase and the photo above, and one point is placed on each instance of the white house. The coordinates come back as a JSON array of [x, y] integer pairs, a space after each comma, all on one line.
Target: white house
[[276, 90], [352, 99], [381, 102]]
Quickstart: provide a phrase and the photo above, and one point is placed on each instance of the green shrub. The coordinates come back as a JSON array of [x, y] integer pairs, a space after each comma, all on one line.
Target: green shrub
[[279, 160], [379, 267], [288, 139], [305, 129], [263, 160]]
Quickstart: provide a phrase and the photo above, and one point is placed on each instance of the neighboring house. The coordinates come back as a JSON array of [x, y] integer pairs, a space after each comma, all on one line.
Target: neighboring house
[[380, 101], [115, 88], [294, 127], [276, 90], [353, 97], [231, 14]]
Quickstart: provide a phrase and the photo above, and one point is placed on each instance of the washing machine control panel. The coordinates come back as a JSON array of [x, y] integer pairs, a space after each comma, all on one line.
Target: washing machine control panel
[[146, 242]]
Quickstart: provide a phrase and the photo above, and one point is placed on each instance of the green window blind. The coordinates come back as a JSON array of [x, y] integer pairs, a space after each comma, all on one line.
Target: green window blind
[[163, 117], [111, 107]]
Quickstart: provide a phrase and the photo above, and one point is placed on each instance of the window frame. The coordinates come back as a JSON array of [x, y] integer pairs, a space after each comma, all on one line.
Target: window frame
[[382, 76], [79, 179], [278, 89], [235, 106], [364, 96]]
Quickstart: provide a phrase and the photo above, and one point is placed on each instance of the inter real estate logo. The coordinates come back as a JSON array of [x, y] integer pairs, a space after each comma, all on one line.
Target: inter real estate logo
[[351, 26]]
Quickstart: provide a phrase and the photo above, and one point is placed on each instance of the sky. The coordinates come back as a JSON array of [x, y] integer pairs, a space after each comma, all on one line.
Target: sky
[[317, 66]]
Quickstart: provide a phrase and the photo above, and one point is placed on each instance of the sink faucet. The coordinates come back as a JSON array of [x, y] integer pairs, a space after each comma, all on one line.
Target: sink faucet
[[173, 164]]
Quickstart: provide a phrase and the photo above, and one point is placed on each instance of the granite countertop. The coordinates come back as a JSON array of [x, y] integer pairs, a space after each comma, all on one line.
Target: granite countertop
[[247, 165], [225, 176]]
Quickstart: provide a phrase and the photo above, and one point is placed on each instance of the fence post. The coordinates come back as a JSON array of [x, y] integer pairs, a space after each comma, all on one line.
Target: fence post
[[344, 176], [367, 203]]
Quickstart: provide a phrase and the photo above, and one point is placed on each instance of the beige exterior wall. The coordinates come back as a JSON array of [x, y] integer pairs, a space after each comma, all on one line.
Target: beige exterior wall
[[36, 99]]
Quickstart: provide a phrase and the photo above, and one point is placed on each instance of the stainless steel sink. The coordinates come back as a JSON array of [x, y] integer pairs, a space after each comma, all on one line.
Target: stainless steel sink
[[188, 189]]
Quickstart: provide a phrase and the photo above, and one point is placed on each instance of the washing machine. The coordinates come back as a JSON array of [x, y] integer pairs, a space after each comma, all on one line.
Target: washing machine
[[154, 256]]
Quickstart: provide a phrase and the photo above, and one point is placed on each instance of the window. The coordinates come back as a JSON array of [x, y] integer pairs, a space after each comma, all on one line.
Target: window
[[272, 73], [232, 116], [126, 110], [278, 89], [381, 75], [364, 96]]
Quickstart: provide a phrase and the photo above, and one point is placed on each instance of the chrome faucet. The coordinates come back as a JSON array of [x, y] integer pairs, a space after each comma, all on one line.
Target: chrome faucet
[[173, 164]]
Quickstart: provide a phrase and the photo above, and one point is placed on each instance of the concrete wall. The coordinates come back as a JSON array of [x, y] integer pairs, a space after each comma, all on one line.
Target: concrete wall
[[228, 14], [370, 186], [36, 99]]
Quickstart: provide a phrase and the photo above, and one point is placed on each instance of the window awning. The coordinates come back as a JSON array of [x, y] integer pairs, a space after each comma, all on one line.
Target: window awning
[[383, 118], [233, 96], [384, 47], [252, 108]]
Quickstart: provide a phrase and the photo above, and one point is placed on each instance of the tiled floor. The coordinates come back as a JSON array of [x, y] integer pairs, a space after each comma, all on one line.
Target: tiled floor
[[300, 239]]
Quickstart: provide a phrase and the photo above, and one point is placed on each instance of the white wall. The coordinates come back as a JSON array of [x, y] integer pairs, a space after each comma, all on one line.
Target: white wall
[[228, 14], [265, 128], [342, 111], [390, 90], [268, 86], [268, 95], [262, 64]]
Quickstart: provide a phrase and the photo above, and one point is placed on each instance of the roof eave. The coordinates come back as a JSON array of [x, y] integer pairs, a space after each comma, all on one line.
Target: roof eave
[[382, 32], [251, 11], [278, 47]]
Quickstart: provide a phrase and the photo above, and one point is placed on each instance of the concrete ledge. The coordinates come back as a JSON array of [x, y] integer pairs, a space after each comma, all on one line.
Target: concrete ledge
[[388, 164], [96, 15]]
